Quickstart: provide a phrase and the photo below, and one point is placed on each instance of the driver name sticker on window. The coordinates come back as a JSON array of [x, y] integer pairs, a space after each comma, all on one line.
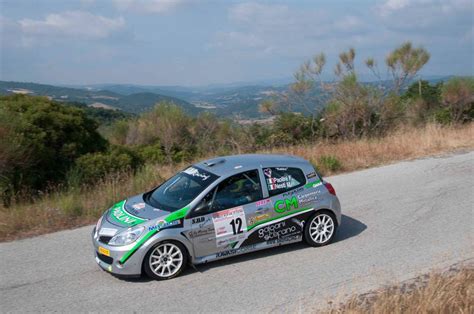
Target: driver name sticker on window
[[230, 225], [279, 183]]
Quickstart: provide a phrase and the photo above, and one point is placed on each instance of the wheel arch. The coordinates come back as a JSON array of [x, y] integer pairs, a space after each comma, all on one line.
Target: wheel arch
[[159, 240], [330, 212]]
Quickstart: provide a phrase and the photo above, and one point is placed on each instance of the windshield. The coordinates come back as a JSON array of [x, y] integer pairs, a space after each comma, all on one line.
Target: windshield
[[181, 189]]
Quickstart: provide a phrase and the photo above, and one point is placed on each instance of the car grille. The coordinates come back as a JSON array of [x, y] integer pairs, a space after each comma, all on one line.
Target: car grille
[[106, 259], [104, 239]]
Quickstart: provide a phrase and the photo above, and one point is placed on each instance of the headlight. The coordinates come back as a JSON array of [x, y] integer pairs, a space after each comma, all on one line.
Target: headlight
[[126, 237]]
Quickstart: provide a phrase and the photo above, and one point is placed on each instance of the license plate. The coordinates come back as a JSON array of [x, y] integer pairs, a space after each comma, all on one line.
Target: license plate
[[104, 251]]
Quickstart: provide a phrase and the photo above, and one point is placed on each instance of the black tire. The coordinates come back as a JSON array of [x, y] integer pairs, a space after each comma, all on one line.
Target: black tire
[[149, 259], [309, 228]]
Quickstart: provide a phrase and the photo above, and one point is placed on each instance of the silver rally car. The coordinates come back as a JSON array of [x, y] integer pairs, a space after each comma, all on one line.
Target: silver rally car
[[215, 209]]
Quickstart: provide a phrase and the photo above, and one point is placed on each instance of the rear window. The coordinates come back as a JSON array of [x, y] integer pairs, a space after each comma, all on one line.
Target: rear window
[[283, 179]]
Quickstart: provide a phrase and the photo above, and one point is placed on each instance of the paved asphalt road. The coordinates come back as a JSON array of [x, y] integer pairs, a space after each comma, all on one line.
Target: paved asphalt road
[[399, 221]]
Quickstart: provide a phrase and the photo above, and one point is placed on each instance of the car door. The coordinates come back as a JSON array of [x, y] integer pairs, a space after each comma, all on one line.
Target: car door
[[219, 221], [278, 220]]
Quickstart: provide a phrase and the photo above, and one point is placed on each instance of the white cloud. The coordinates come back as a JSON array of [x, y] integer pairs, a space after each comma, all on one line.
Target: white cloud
[[391, 6], [425, 10], [79, 24], [262, 29], [148, 6]]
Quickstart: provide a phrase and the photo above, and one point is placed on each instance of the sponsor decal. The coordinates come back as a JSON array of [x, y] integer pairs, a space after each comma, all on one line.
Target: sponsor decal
[[276, 230], [235, 251], [263, 202], [258, 218], [197, 220], [282, 168], [229, 225], [308, 197], [138, 206], [267, 172], [291, 238], [119, 214], [195, 173], [161, 224], [286, 204], [201, 232], [311, 175], [313, 184]]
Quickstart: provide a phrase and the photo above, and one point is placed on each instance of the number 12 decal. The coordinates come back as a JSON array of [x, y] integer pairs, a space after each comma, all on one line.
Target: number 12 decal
[[236, 225]]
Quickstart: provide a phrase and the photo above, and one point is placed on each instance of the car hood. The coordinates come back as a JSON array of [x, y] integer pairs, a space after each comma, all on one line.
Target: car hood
[[133, 211]]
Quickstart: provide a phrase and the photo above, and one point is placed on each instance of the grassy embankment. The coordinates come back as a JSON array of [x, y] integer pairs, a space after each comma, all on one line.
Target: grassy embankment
[[73, 208], [436, 292]]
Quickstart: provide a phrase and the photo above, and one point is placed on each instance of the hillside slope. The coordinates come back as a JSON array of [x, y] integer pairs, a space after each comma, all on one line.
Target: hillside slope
[[133, 103]]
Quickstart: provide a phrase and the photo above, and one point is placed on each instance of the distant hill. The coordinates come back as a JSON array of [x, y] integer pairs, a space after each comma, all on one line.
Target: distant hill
[[225, 101], [235, 101], [133, 103]]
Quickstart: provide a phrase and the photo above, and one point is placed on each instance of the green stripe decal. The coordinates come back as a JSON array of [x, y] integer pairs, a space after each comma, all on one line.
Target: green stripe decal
[[313, 184], [278, 217], [137, 246], [121, 216], [179, 214]]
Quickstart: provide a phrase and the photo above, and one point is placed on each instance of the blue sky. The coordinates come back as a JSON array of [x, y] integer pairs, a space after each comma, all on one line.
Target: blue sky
[[185, 42]]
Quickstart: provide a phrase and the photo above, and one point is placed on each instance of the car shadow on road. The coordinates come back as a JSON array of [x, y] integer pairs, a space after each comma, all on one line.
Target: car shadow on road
[[350, 227]]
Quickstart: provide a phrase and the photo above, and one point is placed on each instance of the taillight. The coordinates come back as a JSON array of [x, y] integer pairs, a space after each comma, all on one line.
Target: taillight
[[330, 188]]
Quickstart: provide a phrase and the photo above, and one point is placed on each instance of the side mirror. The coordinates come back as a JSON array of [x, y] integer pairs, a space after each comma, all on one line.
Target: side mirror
[[200, 209]]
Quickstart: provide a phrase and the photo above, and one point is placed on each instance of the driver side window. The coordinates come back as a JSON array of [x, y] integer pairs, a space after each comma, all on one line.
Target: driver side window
[[237, 190]]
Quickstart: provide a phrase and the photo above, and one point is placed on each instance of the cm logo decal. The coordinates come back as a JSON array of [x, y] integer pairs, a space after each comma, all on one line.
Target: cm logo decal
[[287, 204]]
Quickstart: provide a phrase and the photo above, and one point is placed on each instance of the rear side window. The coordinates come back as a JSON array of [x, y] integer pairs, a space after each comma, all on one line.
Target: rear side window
[[282, 179]]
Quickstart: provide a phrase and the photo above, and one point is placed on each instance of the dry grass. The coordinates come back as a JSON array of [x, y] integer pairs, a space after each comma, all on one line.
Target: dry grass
[[451, 292], [62, 210], [403, 144]]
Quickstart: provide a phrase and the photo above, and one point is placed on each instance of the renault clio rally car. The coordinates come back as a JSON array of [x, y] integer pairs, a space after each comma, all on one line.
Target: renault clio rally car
[[216, 209]]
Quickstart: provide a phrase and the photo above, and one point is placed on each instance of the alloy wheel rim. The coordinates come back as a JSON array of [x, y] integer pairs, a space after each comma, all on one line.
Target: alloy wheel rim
[[166, 259], [321, 228]]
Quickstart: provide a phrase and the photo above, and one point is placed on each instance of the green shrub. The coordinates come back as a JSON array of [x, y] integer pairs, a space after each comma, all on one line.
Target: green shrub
[[329, 164], [39, 141], [152, 154], [442, 116], [93, 167]]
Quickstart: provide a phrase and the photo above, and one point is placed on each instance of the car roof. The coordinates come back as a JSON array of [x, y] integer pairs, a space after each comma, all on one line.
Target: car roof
[[229, 165]]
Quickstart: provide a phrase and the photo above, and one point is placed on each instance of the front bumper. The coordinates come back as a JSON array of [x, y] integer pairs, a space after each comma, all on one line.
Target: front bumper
[[111, 260]]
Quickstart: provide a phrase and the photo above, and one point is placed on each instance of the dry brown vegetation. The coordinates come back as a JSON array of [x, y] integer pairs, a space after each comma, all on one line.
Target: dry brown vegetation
[[77, 207], [449, 292], [402, 144]]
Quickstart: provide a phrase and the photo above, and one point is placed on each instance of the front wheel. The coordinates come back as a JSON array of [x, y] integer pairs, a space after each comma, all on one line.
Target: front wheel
[[320, 229], [165, 260]]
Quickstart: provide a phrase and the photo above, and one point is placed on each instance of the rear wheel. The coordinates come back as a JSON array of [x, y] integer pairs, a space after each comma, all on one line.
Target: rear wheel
[[165, 260], [320, 229]]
